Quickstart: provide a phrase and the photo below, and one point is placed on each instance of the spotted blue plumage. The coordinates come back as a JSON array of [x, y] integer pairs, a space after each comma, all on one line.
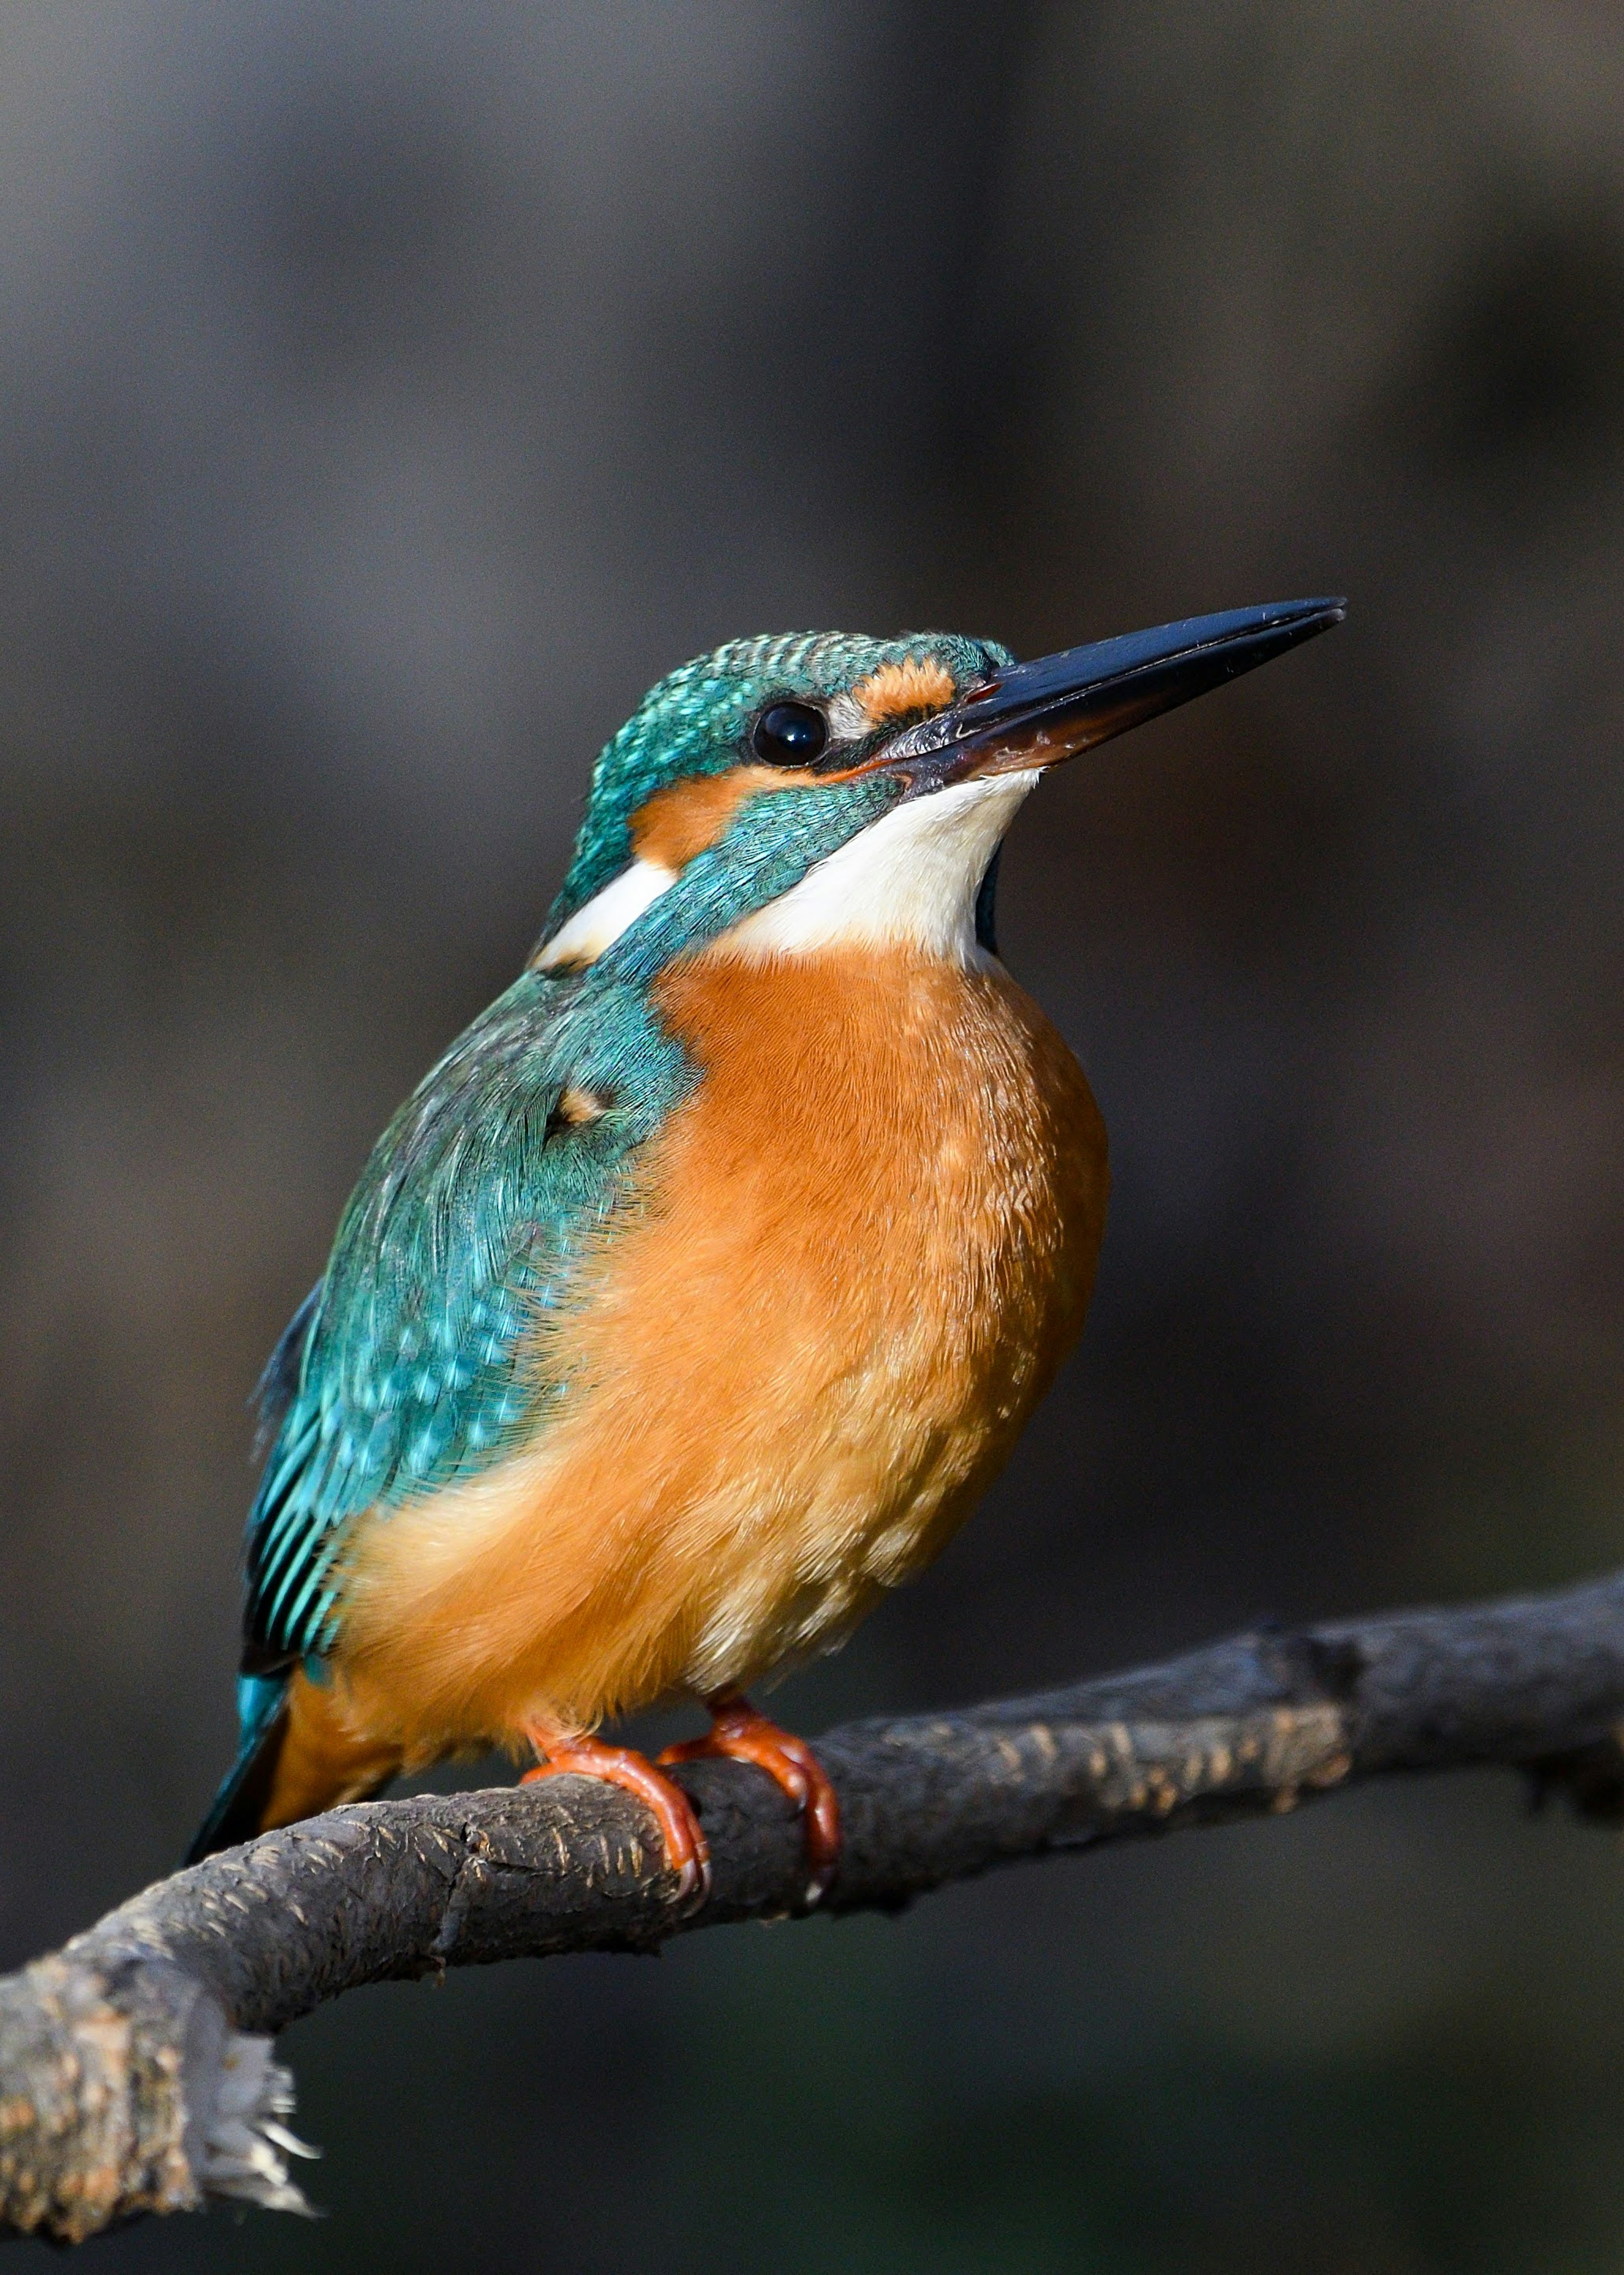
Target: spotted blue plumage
[[460, 1238]]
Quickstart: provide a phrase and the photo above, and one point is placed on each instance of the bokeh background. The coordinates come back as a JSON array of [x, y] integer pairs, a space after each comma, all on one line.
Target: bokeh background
[[389, 392]]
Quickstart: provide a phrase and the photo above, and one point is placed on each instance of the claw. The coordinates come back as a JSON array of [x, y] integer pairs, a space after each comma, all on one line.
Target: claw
[[739, 1732], [686, 1851]]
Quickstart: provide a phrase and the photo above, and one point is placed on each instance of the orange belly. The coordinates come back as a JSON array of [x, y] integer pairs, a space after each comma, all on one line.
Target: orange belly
[[855, 1260]]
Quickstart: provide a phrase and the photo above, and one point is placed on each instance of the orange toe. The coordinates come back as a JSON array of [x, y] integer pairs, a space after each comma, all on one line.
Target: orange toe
[[686, 1851], [738, 1733]]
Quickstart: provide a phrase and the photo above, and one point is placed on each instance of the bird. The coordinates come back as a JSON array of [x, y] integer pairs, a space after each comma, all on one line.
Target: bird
[[692, 1300]]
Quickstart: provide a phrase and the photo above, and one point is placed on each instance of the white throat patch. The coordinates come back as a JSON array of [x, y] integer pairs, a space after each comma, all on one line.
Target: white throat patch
[[909, 879]]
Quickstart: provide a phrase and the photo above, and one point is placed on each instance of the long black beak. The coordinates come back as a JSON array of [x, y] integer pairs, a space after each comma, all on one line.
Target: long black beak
[[1034, 714]]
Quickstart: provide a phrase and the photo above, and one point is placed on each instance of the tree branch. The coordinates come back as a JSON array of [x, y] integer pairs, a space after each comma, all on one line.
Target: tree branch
[[136, 2069]]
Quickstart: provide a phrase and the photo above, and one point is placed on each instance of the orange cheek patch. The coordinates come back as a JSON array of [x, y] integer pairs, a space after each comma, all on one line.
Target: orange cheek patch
[[920, 683], [686, 816]]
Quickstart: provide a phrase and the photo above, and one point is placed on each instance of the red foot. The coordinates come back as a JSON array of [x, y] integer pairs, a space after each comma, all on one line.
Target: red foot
[[685, 1849], [740, 1734]]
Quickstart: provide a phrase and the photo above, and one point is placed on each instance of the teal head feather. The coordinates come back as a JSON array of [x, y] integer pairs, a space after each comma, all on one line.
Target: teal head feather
[[699, 720]]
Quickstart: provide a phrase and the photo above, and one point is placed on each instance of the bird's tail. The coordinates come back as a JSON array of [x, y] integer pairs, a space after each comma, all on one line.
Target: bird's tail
[[299, 1754], [237, 1811]]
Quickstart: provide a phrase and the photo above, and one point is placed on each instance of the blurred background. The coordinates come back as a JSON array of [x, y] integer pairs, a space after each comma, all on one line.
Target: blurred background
[[389, 392]]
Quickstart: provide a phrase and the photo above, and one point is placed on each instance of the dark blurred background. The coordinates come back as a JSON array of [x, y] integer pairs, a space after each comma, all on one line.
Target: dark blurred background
[[389, 393]]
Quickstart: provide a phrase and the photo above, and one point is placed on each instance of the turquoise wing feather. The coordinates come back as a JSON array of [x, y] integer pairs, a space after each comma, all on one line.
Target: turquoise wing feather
[[401, 1373]]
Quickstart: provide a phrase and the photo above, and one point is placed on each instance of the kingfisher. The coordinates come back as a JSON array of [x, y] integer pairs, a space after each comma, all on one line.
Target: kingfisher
[[695, 1297]]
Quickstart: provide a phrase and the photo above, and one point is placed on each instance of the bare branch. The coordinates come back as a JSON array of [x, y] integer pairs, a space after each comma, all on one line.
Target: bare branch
[[136, 2072]]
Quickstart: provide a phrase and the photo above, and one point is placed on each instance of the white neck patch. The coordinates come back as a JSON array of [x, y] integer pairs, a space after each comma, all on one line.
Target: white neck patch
[[599, 923], [909, 879]]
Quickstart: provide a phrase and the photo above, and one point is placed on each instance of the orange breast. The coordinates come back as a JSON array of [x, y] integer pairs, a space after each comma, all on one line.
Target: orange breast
[[862, 1249]]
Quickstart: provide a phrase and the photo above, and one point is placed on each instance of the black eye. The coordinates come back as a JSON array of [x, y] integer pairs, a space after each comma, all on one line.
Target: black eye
[[789, 734]]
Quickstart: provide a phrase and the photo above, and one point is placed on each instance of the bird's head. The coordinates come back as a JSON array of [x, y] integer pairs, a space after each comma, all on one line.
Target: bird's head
[[793, 792]]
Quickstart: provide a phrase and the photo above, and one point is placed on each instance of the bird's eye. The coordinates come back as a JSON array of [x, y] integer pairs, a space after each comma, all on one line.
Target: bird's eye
[[789, 734]]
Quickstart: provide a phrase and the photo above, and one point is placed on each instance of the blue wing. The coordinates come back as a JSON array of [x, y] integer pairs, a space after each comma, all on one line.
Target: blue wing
[[402, 1372]]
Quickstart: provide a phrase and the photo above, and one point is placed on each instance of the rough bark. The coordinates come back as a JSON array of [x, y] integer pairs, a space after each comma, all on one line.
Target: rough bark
[[136, 2071]]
